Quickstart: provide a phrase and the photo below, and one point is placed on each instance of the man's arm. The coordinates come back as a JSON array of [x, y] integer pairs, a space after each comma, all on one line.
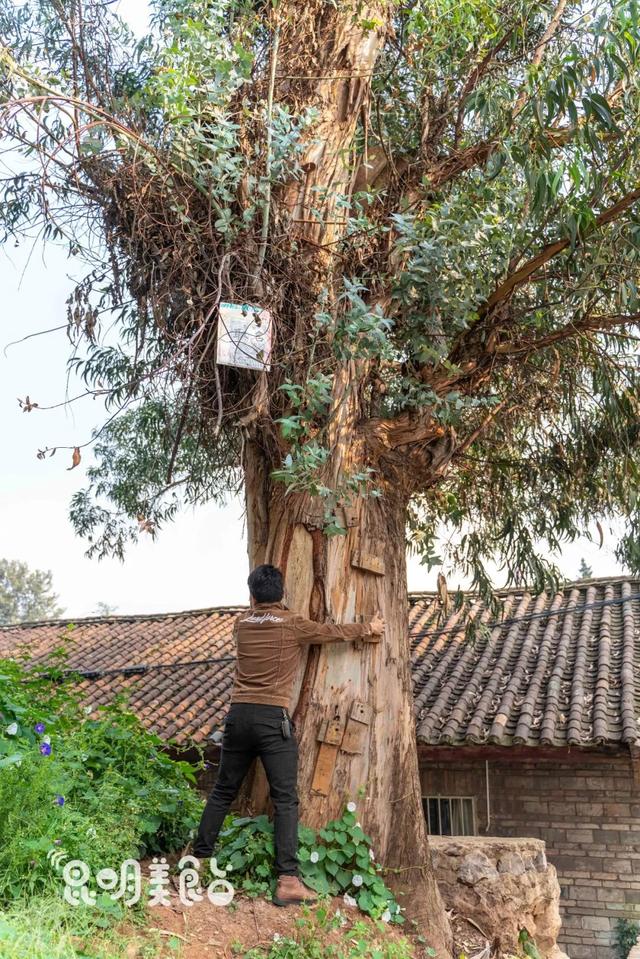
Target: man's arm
[[308, 631]]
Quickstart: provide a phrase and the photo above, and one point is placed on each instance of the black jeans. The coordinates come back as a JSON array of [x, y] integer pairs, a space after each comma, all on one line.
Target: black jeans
[[252, 730]]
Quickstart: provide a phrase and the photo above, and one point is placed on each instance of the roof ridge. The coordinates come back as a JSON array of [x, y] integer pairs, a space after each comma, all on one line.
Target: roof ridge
[[123, 617], [507, 590], [238, 607]]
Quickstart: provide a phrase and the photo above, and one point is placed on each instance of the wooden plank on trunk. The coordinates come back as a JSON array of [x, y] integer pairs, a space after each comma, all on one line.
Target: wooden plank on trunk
[[350, 514], [357, 729], [330, 736], [323, 772], [331, 730], [372, 562]]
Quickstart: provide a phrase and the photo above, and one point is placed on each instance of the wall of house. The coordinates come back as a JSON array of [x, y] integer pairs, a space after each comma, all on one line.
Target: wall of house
[[587, 809]]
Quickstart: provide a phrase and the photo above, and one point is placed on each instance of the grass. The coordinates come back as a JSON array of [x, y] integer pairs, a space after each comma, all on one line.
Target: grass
[[46, 927]]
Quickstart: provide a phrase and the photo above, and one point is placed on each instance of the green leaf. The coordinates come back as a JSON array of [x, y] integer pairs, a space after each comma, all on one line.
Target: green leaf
[[13, 760], [91, 146], [600, 107], [365, 901]]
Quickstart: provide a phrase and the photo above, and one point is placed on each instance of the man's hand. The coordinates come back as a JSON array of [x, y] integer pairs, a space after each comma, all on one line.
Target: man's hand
[[377, 629]]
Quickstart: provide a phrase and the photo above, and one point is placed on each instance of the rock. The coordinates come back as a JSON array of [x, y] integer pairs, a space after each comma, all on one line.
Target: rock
[[513, 863], [540, 862], [475, 867], [503, 885], [557, 953]]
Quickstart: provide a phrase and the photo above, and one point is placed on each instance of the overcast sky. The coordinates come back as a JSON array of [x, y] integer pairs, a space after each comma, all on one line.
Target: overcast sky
[[198, 561]]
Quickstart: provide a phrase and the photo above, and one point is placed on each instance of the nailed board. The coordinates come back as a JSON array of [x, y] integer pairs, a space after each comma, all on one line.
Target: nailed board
[[330, 736], [331, 731], [350, 515], [323, 772], [372, 562], [356, 733]]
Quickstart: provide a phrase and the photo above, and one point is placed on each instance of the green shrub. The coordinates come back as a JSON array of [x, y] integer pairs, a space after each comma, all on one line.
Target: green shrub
[[627, 932], [100, 789], [336, 860]]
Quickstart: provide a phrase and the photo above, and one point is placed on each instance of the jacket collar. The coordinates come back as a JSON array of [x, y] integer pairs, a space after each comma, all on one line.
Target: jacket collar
[[269, 606]]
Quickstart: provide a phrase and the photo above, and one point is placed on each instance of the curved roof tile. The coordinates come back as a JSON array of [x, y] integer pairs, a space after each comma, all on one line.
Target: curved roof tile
[[556, 670]]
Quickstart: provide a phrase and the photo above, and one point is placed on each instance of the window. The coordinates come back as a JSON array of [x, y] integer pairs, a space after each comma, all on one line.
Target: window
[[449, 815]]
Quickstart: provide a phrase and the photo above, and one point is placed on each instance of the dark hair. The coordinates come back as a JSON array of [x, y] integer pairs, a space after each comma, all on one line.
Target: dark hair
[[265, 584]]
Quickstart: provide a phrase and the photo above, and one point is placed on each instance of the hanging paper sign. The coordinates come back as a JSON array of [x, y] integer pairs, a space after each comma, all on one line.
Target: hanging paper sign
[[244, 336]]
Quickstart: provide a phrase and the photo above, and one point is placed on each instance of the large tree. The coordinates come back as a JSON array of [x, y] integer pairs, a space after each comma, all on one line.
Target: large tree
[[437, 202], [26, 595]]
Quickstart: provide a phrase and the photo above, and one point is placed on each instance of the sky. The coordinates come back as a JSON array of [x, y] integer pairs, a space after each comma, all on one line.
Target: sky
[[200, 560]]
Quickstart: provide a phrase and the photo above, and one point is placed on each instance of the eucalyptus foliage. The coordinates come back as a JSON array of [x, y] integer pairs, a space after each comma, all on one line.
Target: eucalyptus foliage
[[483, 282]]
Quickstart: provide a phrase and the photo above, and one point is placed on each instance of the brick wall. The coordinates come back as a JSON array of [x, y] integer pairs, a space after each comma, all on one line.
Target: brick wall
[[588, 812]]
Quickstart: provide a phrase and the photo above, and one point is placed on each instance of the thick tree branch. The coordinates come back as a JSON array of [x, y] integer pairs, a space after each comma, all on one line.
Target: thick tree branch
[[469, 440], [551, 250], [591, 324], [407, 427], [476, 75], [420, 429], [452, 166], [547, 36]]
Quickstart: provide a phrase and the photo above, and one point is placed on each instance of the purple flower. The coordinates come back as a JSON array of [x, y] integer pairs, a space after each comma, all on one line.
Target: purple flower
[[39, 728], [45, 749], [59, 800]]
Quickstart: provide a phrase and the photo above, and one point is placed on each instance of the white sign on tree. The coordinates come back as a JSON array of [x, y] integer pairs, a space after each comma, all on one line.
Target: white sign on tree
[[244, 336]]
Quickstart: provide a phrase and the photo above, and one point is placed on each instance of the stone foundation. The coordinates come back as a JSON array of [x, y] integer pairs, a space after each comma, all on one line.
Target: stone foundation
[[504, 886], [584, 805]]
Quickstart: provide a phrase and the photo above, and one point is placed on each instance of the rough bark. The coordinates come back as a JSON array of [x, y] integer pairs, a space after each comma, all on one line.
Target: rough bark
[[323, 583], [327, 54]]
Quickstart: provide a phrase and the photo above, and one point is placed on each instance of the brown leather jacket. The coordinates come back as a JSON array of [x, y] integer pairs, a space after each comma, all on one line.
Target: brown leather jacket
[[269, 638]]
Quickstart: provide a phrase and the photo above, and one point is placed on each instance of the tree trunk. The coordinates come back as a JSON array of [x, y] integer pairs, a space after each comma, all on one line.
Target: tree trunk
[[373, 763], [353, 706]]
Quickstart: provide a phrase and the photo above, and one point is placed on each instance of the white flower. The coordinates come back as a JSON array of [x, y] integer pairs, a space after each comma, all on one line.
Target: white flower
[[351, 806], [46, 739], [314, 857], [372, 855], [357, 879], [277, 937], [349, 900], [358, 825], [386, 916], [12, 729]]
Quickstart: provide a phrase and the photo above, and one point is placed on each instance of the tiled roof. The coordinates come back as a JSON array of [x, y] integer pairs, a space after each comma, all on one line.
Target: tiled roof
[[565, 679], [536, 679], [179, 702]]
